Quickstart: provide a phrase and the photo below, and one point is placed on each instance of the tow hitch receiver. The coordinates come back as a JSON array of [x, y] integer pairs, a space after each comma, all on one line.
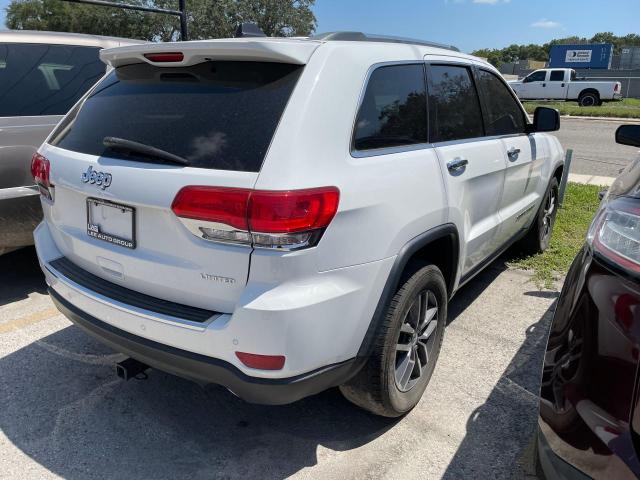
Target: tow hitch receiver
[[130, 368]]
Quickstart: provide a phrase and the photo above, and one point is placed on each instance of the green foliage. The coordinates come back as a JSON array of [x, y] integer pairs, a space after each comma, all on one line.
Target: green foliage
[[541, 52], [627, 108], [580, 204], [206, 18]]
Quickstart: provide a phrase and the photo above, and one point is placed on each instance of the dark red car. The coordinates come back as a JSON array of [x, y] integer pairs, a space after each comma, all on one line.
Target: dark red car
[[589, 423]]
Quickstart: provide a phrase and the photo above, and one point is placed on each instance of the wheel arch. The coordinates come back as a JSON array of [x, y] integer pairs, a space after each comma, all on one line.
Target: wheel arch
[[589, 90], [426, 247]]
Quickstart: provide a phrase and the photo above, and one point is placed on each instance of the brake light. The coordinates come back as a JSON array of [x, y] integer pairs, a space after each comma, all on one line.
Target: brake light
[[288, 219], [615, 234], [616, 88], [292, 211], [165, 57], [40, 171]]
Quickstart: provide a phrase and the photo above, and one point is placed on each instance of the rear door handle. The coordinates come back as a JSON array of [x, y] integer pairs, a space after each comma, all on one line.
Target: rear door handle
[[513, 153], [457, 164]]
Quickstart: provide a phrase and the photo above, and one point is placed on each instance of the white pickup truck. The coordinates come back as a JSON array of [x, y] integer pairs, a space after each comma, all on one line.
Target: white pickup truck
[[563, 84]]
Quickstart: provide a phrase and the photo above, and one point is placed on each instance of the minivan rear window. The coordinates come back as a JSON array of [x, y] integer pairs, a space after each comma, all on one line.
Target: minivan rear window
[[37, 79], [216, 114]]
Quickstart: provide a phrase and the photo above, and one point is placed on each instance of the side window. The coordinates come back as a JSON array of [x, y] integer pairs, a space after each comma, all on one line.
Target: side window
[[455, 107], [557, 76], [394, 108], [37, 79], [503, 115], [537, 76]]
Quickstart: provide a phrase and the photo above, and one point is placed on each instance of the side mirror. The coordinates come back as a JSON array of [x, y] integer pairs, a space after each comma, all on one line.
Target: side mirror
[[545, 119], [628, 135], [526, 80]]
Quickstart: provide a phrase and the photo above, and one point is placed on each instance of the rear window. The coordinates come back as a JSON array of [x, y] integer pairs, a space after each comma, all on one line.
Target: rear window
[[40, 79], [219, 115]]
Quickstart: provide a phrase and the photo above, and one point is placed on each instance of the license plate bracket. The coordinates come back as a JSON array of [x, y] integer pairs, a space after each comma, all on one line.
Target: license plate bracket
[[111, 222]]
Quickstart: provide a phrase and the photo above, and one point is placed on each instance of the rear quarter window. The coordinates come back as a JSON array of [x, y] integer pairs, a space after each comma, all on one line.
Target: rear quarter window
[[38, 79], [218, 115], [393, 111]]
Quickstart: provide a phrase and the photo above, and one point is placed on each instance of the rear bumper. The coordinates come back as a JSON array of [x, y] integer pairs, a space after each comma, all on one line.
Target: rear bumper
[[20, 213], [205, 369]]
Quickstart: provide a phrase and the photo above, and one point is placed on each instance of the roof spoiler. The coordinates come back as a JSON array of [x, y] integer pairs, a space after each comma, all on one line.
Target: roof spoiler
[[243, 49]]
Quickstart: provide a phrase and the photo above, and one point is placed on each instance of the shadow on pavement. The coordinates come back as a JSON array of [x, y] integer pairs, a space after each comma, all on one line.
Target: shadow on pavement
[[64, 408], [500, 433], [20, 275]]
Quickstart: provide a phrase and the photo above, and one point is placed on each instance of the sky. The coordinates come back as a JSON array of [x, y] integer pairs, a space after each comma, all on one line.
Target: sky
[[474, 24]]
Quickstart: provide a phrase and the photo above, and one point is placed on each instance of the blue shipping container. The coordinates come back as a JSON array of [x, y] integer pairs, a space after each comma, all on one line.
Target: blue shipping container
[[581, 56]]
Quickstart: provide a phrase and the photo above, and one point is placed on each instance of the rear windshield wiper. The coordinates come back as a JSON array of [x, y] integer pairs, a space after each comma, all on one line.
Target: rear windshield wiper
[[123, 144]]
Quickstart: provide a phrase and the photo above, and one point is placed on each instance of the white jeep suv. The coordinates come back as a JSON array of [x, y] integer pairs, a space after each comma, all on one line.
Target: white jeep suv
[[281, 216]]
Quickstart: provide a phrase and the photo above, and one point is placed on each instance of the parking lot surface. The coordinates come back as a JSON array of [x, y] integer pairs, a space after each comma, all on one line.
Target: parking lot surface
[[63, 412], [595, 151]]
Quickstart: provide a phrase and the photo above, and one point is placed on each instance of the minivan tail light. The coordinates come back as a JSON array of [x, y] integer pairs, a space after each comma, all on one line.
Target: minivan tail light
[[617, 87], [40, 171], [289, 219], [165, 57]]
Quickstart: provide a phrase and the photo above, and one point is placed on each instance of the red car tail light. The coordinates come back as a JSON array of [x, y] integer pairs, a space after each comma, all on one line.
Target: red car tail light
[[615, 234], [40, 171], [288, 219], [292, 211], [165, 57], [263, 362], [616, 88]]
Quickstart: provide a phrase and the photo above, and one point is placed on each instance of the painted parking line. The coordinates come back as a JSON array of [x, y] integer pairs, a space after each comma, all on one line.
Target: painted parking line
[[20, 323]]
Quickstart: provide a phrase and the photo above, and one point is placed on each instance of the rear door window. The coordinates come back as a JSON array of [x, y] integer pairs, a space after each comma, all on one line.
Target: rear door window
[[556, 76], [393, 111], [38, 79], [218, 115], [455, 107], [503, 115]]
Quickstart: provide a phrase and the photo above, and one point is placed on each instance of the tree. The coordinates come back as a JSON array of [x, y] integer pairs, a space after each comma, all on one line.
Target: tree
[[206, 18]]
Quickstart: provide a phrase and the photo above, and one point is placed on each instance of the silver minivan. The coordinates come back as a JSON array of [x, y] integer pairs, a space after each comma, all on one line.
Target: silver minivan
[[42, 74]]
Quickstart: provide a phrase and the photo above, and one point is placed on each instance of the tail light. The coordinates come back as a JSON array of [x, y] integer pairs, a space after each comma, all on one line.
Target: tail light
[[40, 169], [289, 220], [616, 88], [615, 234]]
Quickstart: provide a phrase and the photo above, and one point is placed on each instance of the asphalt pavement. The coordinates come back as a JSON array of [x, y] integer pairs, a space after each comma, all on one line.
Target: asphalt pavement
[[64, 413], [595, 151]]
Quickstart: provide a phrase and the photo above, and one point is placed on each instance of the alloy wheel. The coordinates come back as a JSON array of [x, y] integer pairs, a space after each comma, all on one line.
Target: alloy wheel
[[416, 340]]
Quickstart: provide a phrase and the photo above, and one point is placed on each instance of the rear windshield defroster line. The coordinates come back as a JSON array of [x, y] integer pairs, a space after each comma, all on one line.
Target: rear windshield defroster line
[[218, 115]]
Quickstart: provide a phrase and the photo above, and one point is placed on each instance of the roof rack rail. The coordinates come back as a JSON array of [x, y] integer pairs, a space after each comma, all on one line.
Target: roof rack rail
[[368, 37]]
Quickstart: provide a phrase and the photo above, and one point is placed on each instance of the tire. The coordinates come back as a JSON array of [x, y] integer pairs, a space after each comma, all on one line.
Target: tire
[[539, 235], [389, 384], [589, 99]]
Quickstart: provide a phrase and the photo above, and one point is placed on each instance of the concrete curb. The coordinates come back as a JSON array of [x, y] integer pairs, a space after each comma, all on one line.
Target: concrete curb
[[591, 179], [602, 119]]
